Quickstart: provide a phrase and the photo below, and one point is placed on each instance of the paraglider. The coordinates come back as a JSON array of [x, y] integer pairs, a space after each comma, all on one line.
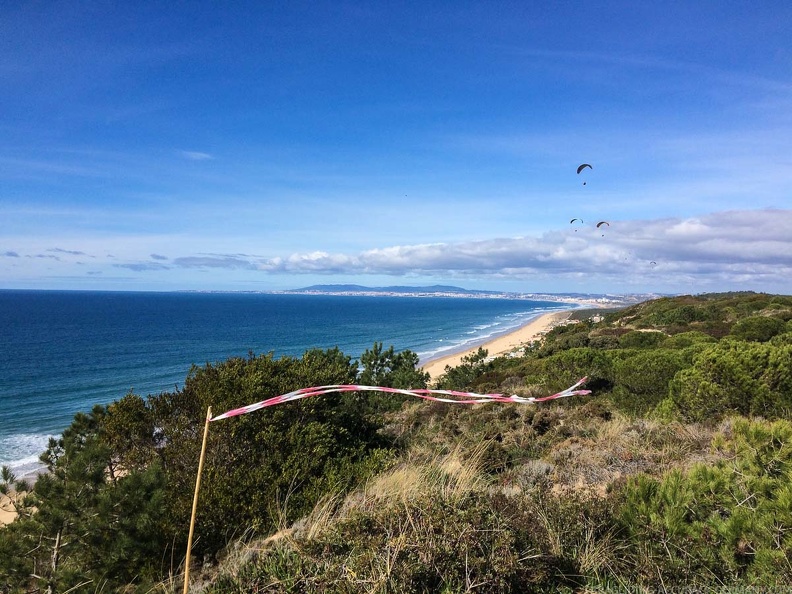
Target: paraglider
[[573, 220], [601, 223], [581, 167]]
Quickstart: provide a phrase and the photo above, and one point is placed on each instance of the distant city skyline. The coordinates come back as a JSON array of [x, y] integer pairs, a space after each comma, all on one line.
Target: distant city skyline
[[158, 146]]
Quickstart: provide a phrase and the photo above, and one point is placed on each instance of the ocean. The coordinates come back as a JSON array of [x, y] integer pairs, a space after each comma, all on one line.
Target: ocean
[[61, 352]]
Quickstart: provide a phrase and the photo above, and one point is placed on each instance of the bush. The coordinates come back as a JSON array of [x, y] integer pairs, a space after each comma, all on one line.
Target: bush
[[782, 339], [730, 523], [119, 491], [746, 378], [563, 369], [89, 526], [641, 340], [642, 380], [675, 314], [758, 328], [266, 468], [604, 342], [463, 375], [687, 339], [563, 338]]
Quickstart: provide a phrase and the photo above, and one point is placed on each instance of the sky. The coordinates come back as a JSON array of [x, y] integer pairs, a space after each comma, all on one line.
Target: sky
[[247, 146]]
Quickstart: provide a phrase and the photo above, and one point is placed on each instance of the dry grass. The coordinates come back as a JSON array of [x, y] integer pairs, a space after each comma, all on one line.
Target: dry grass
[[612, 450], [450, 475]]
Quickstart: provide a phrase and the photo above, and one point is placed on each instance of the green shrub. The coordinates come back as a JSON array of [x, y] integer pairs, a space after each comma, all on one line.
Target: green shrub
[[89, 527], [563, 338], [730, 523], [687, 339], [603, 342], [261, 470], [758, 328], [677, 314], [563, 369], [746, 378], [463, 375], [782, 339], [642, 381], [666, 411], [641, 340]]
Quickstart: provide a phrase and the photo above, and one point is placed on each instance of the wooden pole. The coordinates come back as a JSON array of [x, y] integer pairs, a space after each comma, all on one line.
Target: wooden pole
[[195, 500]]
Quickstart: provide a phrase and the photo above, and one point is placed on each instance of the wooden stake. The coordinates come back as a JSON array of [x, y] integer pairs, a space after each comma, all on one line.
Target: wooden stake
[[195, 500]]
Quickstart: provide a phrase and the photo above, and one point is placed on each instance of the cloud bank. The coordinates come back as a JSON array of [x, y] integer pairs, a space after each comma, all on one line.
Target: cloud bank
[[745, 242], [748, 249]]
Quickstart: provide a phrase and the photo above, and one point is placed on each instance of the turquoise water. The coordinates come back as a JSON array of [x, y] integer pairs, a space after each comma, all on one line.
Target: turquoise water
[[63, 352]]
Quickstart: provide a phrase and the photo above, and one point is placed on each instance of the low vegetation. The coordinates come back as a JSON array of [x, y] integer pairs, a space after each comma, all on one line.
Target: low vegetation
[[676, 473]]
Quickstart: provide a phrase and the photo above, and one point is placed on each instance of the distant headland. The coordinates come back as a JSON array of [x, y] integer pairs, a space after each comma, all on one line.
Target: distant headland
[[595, 299]]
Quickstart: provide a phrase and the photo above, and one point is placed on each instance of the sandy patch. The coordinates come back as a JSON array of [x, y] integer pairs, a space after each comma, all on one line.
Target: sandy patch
[[7, 512]]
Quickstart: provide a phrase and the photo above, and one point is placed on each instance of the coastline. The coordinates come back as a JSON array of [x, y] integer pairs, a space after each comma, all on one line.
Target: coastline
[[195, 329], [502, 344], [499, 345]]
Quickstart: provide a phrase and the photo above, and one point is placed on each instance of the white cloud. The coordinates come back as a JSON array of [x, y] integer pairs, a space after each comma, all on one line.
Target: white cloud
[[740, 245], [750, 249], [142, 266], [69, 252], [232, 262], [196, 155]]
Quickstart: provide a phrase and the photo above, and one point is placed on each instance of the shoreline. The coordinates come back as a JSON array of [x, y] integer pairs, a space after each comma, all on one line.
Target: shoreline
[[500, 345]]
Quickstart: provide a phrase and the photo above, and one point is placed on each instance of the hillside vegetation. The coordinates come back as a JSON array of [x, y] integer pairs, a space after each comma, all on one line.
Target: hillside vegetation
[[675, 473]]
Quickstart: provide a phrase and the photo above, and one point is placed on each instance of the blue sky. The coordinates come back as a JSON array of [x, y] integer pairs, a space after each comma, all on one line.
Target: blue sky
[[258, 146]]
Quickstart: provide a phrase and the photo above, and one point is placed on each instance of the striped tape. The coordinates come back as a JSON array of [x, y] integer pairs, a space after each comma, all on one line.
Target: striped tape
[[447, 396]]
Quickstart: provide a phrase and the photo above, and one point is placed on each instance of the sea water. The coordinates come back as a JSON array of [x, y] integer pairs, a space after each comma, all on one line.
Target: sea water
[[63, 352]]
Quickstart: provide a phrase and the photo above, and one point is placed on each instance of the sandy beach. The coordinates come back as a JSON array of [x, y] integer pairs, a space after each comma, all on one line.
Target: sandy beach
[[501, 344], [7, 513]]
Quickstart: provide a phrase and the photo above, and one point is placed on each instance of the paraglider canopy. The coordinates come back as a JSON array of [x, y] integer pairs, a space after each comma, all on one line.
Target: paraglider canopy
[[582, 166], [603, 223], [573, 220]]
